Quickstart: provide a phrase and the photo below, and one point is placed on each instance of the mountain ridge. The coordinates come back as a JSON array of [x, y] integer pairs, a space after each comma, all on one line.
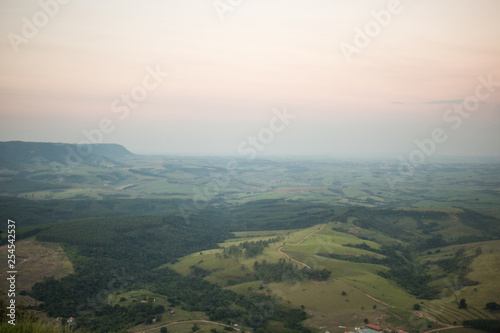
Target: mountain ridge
[[14, 154]]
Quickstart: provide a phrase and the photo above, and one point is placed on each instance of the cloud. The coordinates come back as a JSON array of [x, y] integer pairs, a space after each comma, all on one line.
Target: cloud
[[445, 101]]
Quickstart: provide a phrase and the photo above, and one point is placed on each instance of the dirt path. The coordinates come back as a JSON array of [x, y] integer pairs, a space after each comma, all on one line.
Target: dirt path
[[300, 241], [361, 291], [446, 326], [312, 233], [190, 321], [303, 264], [442, 329], [419, 314]]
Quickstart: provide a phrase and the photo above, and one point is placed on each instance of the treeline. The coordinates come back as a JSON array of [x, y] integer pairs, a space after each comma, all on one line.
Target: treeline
[[48, 211], [363, 258], [147, 241], [110, 255], [113, 255], [276, 214], [283, 271], [249, 249], [412, 278], [384, 220], [403, 261], [489, 325], [196, 294], [487, 224], [404, 269], [389, 222]]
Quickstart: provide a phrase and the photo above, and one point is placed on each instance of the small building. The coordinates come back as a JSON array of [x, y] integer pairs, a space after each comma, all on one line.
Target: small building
[[369, 328]]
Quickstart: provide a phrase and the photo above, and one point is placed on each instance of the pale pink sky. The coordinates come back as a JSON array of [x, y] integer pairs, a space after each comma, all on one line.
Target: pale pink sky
[[226, 76]]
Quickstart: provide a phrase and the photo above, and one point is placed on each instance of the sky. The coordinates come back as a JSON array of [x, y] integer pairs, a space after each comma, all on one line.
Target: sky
[[254, 77]]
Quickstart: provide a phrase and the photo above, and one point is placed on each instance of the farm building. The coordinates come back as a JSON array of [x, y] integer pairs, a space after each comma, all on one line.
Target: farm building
[[369, 328]]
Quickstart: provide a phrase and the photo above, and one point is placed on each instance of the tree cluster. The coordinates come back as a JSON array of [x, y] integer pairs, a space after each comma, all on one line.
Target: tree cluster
[[249, 249], [283, 271]]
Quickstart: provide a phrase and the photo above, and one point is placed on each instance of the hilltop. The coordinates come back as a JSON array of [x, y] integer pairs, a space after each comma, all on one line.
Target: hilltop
[[16, 154]]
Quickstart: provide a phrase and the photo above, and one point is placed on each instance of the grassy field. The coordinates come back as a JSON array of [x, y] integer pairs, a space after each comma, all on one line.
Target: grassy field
[[35, 261], [484, 268], [325, 302], [447, 311], [180, 327], [179, 315], [329, 241]]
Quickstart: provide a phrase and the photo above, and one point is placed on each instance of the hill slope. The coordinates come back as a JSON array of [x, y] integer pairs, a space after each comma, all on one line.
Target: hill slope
[[14, 154]]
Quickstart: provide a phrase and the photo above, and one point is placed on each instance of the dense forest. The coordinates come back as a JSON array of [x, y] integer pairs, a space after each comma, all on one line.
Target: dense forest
[[487, 325], [119, 253]]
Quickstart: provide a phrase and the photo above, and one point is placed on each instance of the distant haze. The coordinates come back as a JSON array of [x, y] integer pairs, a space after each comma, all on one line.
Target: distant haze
[[270, 77]]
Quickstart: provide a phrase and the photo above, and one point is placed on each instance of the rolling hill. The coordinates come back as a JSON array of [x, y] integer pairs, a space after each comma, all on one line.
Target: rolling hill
[[16, 154]]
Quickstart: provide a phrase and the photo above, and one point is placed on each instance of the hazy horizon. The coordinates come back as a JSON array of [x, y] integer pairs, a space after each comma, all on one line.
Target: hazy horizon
[[264, 78]]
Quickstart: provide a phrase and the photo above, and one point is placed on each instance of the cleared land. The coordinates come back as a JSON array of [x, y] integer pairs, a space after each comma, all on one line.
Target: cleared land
[[36, 261]]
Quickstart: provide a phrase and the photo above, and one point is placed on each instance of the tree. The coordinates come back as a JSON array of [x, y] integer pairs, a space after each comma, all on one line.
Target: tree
[[492, 306], [365, 320], [163, 330], [417, 307], [159, 309], [374, 306], [462, 304], [344, 293]]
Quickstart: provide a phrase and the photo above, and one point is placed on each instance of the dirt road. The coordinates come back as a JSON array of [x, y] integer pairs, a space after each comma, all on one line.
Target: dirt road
[[303, 264]]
